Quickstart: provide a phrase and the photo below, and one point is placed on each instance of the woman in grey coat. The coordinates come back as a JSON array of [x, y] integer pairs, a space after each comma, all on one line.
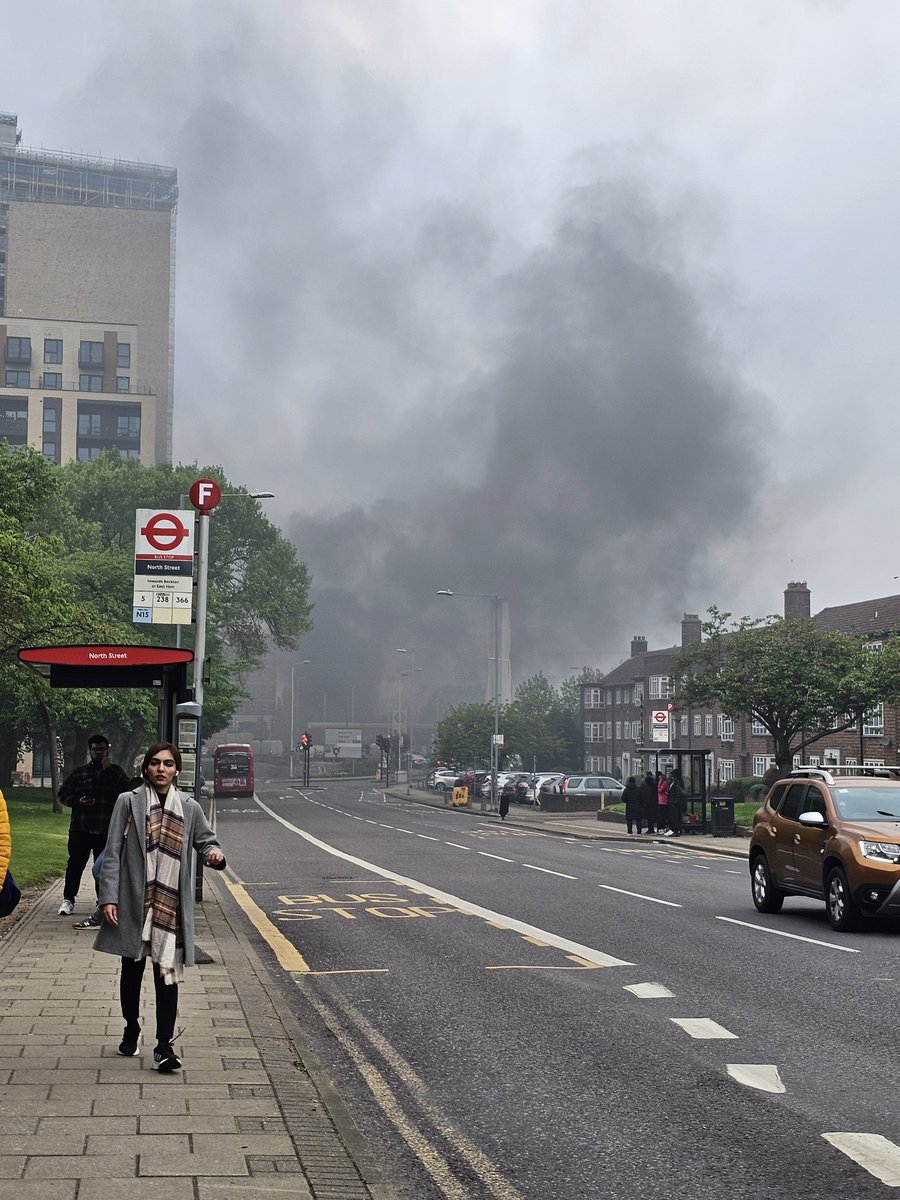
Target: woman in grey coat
[[147, 894]]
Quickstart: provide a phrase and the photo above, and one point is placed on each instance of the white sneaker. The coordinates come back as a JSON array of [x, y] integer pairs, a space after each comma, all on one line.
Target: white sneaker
[[66, 909]]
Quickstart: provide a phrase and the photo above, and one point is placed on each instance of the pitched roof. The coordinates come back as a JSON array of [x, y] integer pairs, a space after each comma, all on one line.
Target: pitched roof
[[880, 616]]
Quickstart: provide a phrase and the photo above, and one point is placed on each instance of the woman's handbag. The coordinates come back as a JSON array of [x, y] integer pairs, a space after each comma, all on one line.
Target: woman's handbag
[[9, 895]]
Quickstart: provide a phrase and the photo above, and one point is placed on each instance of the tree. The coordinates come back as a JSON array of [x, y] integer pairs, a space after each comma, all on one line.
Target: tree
[[463, 736], [798, 680]]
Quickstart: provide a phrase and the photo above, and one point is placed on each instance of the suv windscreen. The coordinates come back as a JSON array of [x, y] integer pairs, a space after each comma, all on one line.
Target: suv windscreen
[[867, 804]]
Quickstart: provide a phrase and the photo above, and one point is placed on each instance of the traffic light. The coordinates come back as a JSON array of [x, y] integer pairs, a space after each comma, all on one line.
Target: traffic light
[[304, 739]]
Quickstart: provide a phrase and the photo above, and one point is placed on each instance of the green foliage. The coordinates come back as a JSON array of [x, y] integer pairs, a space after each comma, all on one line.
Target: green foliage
[[66, 576], [39, 836], [800, 681]]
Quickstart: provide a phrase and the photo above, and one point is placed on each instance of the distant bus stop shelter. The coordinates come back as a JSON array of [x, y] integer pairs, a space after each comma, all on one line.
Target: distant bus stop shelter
[[694, 768]]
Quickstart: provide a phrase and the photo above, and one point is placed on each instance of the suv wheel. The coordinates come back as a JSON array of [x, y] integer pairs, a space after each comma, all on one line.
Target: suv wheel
[[767, 897], [843, 912]]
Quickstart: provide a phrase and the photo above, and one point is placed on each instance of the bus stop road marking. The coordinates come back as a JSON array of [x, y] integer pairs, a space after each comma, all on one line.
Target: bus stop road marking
[[872, 1152], [287, 954], [589, 953]]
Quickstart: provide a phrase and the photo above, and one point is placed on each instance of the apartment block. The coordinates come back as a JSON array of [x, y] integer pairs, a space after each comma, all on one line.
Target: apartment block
[[86, 302]]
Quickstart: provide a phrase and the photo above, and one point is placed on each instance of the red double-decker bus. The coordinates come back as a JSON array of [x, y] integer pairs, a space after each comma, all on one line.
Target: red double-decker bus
[[233, 770]]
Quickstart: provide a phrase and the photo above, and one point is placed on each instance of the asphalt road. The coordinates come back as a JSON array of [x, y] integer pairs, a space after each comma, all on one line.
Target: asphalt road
[[512, 1014]]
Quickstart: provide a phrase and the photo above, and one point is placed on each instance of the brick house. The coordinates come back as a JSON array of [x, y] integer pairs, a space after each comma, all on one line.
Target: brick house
[[616, 711]]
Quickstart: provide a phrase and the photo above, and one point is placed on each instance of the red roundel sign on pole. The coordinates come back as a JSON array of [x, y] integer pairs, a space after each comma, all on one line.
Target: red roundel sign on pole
[[165, 532], [205, 494]]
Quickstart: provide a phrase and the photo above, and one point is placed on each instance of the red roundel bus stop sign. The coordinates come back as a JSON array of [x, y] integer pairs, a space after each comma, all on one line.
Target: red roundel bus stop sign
[[205, 494]]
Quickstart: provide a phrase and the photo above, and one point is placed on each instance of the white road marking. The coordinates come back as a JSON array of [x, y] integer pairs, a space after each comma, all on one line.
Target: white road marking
[[457, 846], [793, 936], [427, 837], [702, 1027], [872, 1152], [649, 991], [639, 896], [383, 826], [499, 857], [547, 871], [466, 906], [763, 1077]]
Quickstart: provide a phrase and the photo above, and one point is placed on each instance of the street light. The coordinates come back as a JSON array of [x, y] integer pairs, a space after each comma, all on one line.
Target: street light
[[303, 662], [496, 601], [409, 713]]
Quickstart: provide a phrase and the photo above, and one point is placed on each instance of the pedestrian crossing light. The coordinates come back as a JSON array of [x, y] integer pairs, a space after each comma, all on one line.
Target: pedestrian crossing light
[[304, 739]]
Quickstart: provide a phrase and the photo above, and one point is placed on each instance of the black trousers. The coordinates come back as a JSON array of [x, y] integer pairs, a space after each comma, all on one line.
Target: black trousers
[[130, 997], [81, 846]]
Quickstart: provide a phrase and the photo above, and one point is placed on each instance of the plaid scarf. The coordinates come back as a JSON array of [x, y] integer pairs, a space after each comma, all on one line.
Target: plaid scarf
[[161, 934]]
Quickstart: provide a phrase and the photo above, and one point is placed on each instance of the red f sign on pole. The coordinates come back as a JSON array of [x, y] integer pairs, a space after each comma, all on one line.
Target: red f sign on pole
[[205, 494]]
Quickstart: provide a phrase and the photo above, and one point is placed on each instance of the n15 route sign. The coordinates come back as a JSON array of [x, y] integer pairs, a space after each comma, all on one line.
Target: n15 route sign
[[163, 567]]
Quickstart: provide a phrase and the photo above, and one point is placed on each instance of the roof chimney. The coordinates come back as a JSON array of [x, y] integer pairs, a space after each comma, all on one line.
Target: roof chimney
[[691, 629], [796, 601], [638, 646]]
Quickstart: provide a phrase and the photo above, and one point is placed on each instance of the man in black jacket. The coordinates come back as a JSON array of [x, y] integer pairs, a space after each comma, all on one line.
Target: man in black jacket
[[91, 792]]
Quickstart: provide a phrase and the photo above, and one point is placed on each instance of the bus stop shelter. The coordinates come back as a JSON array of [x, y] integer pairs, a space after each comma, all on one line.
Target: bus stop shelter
[[163, 668], [694, 768]]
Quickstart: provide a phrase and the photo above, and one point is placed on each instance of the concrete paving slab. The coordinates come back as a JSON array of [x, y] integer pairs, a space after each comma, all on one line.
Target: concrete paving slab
[[80, 1123]]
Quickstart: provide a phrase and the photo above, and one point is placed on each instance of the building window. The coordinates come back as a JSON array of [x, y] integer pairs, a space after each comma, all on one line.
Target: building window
[[609, 695], [660, 687], [123, 383], [128, 425], [639, 692], [873, 722], [726, 728], [52, 380], [89, 424], [637, 731], [796, 762], [698, 724], [609, 731], [20, 379], [50, 418], [761, 764], [90, 354], [708, 724], [18, 350], [13, 424], [49, 450], [593, 697], [684, 727], [758, 729], [873, 762], [53, 350], [123, 355], [592, 763], [90, 383], [593, 731], [618, 730], [726, 769]]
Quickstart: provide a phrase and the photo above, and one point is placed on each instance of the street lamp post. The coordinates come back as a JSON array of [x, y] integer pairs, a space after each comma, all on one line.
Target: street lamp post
[[304, 662], [496, 601], [409, 712]]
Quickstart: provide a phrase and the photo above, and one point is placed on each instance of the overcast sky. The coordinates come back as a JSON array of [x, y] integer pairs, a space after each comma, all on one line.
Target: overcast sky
[[591, 304]]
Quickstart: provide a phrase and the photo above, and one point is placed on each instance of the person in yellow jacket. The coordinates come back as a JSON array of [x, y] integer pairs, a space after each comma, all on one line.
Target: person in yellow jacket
[[5, 840]]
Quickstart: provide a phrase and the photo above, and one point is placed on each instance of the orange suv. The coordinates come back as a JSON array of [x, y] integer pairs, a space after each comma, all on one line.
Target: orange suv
[[833, 834]]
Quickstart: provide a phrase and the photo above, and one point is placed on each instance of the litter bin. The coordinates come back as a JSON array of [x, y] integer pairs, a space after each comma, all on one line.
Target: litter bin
[[722, 814]]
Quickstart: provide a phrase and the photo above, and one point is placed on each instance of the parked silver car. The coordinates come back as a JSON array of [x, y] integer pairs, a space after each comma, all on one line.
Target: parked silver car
[[593, 786]]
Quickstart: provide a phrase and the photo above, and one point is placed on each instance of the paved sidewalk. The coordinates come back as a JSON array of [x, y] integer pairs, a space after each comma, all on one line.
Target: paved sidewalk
[[250, 1116], [579, 825]]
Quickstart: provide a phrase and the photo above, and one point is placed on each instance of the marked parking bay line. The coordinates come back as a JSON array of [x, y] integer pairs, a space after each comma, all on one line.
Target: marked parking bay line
[[547, 871], [702, 1027], [796, 937], [872, 1152], [466, 906], [763, 1077], [638, 896], [649, 991]]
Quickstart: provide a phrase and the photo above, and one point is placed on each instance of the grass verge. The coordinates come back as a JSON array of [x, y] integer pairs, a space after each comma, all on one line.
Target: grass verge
[[39, 836]]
